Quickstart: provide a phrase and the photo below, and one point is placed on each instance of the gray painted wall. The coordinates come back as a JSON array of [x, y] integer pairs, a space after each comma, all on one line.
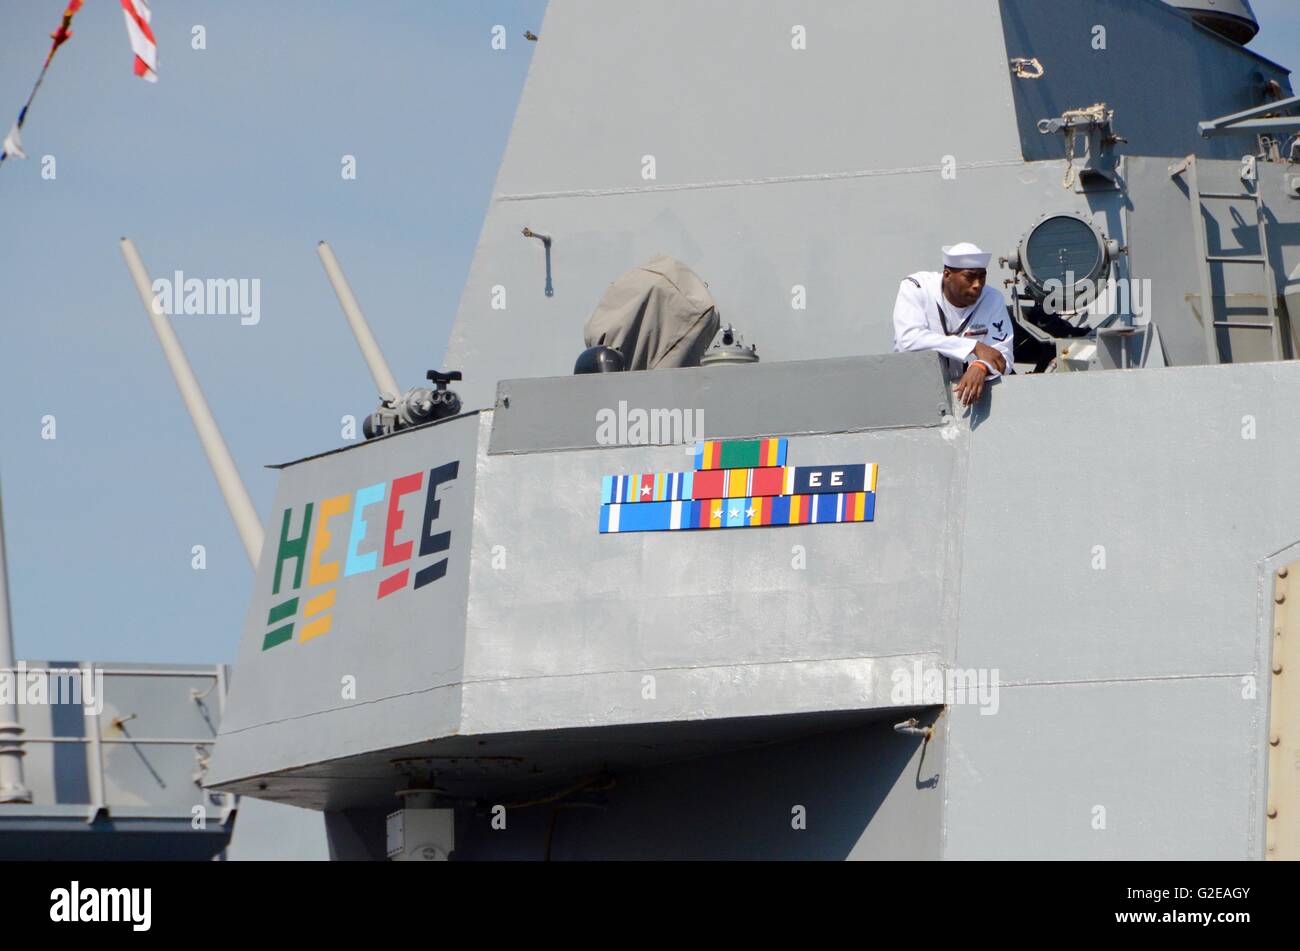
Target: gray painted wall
[[1159, 71], [866, 793], [769, 182], [725, 620], [1122, 686], [403, 653], [1162, 248], [519, 635], [550, 413], [1125, 684]]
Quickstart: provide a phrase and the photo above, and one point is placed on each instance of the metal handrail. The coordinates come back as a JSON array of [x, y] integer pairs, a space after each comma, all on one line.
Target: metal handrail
[[120, 672], [96, 741], [146, 741]]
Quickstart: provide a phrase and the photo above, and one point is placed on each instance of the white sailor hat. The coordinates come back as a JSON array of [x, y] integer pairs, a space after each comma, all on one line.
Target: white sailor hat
[[965, 255]]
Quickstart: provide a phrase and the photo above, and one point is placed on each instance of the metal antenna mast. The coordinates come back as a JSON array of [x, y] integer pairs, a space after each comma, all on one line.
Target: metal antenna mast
[[223, 465], [12, 788], [384, 379]]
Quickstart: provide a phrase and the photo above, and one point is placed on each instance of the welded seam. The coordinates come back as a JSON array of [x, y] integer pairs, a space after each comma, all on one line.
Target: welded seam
[[747, 182]]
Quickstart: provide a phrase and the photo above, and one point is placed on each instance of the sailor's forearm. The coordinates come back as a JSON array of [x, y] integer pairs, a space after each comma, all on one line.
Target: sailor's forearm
[[957, 348]]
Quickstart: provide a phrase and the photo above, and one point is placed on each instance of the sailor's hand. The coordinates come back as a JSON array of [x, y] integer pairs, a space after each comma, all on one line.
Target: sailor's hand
[[971, 385], [991, 355]]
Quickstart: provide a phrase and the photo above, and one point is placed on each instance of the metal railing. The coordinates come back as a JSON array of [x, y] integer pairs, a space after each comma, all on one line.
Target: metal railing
[[94, 732]]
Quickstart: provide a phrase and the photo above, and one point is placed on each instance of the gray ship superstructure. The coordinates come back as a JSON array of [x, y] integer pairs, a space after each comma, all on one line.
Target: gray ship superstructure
[[1064, 630]]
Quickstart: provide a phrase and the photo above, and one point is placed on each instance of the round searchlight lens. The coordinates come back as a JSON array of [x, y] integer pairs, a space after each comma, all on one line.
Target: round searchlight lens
[[1063, 249]]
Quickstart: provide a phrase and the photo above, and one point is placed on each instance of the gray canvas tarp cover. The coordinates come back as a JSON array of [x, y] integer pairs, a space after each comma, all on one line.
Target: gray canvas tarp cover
[[659, 314]]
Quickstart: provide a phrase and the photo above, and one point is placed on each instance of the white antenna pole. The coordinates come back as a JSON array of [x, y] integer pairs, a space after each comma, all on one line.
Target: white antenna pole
[[12, 788], [384, 378], [219, 458]]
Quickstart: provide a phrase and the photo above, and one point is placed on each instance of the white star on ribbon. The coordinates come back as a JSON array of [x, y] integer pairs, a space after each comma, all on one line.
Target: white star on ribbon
[[645, 490]]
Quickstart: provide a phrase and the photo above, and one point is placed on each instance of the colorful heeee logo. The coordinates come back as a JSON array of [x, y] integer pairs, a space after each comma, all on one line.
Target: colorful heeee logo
[[313, 538], [738, 484]]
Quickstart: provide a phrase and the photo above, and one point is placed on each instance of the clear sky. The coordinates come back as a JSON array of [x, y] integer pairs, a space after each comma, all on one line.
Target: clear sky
[[228, 167], [1279, 39]]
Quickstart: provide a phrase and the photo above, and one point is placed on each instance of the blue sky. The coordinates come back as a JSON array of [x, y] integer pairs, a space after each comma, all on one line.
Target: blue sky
[[229, 167], [1279, 37]]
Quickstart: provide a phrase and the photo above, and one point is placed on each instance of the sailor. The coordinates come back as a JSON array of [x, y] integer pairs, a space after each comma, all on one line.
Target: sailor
[[958, 314]]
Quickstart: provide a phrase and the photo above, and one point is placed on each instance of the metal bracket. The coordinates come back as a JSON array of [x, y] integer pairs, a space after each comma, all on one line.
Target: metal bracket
[[912, 727], [1096, 123], [1027, 68], [546, 243]]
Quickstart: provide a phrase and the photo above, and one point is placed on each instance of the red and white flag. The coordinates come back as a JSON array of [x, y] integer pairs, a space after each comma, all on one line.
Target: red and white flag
[[142, 41]]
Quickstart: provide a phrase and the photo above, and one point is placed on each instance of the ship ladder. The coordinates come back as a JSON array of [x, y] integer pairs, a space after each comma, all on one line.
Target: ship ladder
[[1210, 319]]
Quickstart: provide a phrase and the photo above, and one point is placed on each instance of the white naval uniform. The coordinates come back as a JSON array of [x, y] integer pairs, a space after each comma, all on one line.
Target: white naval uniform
[[924, 319]]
